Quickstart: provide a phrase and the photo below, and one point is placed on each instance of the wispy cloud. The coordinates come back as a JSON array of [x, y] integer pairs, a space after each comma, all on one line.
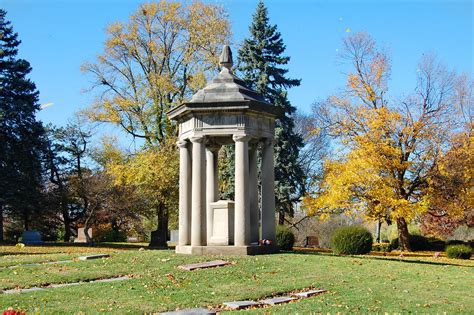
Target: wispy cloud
[[43, 106]]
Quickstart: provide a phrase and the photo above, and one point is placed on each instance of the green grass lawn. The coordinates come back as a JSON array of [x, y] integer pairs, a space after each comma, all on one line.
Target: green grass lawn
[[356, 284]]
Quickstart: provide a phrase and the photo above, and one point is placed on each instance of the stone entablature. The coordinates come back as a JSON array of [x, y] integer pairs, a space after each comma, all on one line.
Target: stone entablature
[[224, 124]]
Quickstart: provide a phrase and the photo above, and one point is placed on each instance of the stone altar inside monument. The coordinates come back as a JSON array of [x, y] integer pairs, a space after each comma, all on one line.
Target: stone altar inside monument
[[226, 112]]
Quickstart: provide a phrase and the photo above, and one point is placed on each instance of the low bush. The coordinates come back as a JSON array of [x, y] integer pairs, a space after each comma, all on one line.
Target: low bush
[[420, 243], [381, 247], [459, 242], [351, 240], [459, 251], [110, 235], [285, 239]]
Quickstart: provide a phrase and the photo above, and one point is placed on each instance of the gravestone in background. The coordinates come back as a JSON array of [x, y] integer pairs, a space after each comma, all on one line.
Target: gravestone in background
[[31, 238], [81, 235]]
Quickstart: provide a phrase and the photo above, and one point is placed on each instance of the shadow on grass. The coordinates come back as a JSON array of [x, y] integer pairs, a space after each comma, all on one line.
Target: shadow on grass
[[125, 246], [401, 260], [23, 253]]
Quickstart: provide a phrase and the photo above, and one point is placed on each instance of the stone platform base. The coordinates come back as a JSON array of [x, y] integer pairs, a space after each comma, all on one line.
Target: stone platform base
[[226, 250]]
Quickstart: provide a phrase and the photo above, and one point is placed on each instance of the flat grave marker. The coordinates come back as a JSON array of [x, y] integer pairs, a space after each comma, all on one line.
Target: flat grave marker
[[94, 256], [307, 294], [203, 265], [193, 311], [62, 285], [278, 300], [237, 305]]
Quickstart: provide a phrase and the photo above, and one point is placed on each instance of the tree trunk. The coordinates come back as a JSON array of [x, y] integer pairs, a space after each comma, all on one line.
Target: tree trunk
[[66, 217], [1, 223], [403, 235], [377, 232], [87, 224], [281, 217], [67, 228], [159, 237], [26, 222], [86, 233]]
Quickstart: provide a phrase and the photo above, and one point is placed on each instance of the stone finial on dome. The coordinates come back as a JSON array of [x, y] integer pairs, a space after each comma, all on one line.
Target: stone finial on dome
[[225, 59]]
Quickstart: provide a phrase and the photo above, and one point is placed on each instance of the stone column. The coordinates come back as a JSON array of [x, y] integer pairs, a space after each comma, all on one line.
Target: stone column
[[184, 193], [198, 206], [268, 191], [242, 202], [253, 193], [212, 188]]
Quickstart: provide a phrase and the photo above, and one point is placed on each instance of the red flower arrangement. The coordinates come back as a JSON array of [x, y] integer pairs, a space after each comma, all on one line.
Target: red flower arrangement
[[264, 242]]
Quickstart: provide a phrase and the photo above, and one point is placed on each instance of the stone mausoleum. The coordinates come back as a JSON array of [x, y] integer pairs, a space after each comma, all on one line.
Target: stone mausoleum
[[226, 112]]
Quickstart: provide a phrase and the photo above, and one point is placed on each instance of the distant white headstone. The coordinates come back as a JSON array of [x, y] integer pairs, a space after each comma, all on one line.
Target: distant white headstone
[[81, 236]]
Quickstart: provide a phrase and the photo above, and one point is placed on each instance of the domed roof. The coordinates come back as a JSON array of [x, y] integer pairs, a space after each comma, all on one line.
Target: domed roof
[[226, 92], [226, 87]]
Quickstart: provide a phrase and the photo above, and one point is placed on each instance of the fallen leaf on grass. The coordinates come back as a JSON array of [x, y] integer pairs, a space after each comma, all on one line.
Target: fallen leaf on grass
[[172, 279]]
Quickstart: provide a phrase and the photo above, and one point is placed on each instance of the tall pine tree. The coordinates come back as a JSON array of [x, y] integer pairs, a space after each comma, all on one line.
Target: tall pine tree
[[21, 135], [262, 66]]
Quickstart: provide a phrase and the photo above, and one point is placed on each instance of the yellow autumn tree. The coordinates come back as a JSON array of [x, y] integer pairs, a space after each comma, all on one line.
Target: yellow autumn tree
[[387, 149], [152, 174], [153, 62]]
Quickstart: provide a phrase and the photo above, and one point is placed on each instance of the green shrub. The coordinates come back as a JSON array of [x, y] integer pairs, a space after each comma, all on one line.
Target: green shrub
[[417, 243], [459, 251], [351, 240], [110, 235], [435, 244], [285, 239], [381, 247], [459, 242]]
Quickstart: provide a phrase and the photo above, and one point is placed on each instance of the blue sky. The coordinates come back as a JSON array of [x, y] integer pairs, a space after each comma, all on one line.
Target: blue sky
[[58, 36]]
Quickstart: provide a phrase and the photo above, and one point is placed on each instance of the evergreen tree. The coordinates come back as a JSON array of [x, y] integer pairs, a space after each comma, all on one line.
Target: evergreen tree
[[262, 66], [21, 135]]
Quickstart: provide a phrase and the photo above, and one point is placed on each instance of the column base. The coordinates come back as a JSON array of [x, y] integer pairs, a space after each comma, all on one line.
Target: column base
[[226, 250]]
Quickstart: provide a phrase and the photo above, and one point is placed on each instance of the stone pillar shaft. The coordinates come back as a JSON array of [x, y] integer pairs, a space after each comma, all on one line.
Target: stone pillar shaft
[[268, 191], [212, 188], [198, 206], [184, 193], [253, 194], [242, 202]]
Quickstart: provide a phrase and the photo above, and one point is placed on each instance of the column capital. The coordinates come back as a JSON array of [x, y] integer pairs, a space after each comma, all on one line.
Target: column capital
[[198, 139], [182, 144], [241, 138], [214, 148]]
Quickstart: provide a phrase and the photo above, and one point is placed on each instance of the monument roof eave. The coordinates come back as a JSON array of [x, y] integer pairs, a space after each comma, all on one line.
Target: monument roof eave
[[224, 106]]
